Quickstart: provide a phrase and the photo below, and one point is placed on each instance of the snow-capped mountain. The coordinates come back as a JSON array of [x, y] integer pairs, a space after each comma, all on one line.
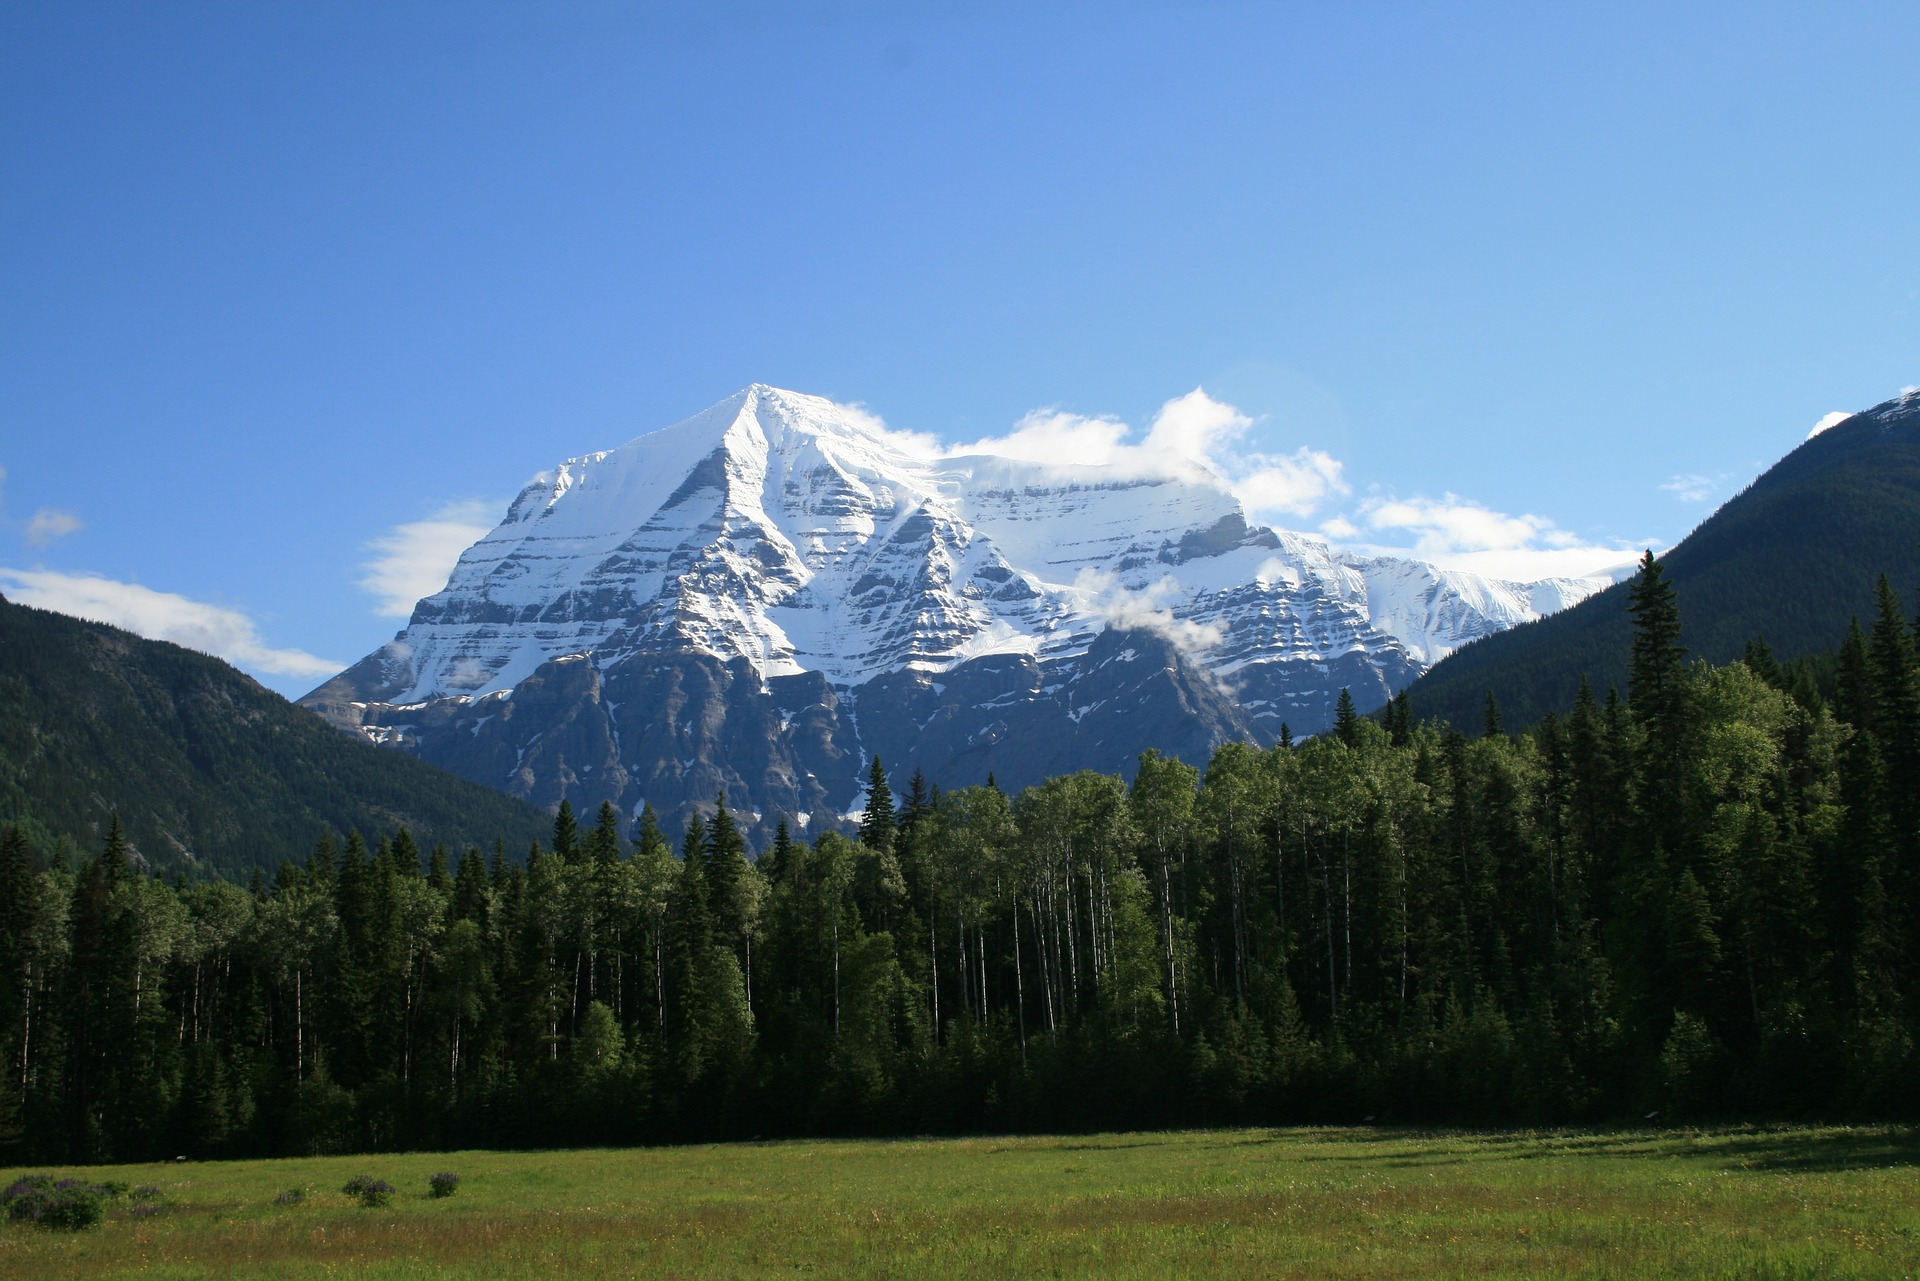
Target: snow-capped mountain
[[760, 597]]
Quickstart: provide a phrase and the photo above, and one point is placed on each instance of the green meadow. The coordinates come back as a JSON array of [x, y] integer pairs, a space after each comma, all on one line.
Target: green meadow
[[1273, 1203]]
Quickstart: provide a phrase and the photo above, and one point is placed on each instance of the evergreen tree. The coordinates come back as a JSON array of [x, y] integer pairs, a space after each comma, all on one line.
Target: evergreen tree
[[1655, 677], [877, 827], [566, 830], [1346, 721], [1895, 682], [919, 802], [1760, 660], [1399, 722], [603, 843], [1657, 696]]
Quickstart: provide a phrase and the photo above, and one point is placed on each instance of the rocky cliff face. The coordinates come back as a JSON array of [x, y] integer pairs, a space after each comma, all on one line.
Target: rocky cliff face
[[760, 598]]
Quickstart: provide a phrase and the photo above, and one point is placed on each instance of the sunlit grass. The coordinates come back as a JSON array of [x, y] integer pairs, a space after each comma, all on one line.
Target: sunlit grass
[[1277, 1203]]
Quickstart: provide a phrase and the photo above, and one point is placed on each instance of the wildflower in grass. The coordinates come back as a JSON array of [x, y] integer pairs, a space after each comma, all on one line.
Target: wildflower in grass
[[369, 1192], [443, 1184]]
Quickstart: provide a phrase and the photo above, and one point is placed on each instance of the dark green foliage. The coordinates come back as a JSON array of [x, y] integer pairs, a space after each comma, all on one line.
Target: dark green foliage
[[1791, 557], [1700, 901], [292, 1196], [1346, 721], [206, 769], [877, 822], [443, 1185]]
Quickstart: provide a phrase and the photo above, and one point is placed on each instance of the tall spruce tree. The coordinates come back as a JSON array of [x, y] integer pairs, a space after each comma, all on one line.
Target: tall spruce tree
[[1346, 721], [877, 826], [566, 830]]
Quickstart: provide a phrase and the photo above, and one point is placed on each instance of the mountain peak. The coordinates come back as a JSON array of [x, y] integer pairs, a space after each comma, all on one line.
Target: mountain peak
[[780, 541]]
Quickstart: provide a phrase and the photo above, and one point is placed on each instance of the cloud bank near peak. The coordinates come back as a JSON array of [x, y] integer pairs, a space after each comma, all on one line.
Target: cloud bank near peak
[[1196, 434], [1191, 434]]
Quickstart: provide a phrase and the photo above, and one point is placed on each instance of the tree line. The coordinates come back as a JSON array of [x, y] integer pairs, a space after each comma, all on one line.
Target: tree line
[[1700, 898]]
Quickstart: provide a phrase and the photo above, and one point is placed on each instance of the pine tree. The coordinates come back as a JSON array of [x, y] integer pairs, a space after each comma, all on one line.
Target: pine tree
[[877, 828], [919, 802], [1895, 675], [1399, 721], [1490, 727], [1761, 662], [1346, 721], [1657, 696], [324, 863], [775, 862], [566, 830], [1656, 674], [603, 842], [403, 855], [1854, 700], [725, 853]]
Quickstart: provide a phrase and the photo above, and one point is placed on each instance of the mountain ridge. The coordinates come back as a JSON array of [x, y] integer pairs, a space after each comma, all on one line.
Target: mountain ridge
[[207, 769], [1789, 559], [804, 538]]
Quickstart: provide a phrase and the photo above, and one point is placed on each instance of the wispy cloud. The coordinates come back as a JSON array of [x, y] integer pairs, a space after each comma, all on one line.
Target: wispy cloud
[[211, 629], [1459, 533], [413, 560], [1691, 488], [48, 524], [1149, 610]]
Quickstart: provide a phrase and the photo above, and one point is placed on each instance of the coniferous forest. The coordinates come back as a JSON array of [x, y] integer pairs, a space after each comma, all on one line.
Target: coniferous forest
[[1698, 896]]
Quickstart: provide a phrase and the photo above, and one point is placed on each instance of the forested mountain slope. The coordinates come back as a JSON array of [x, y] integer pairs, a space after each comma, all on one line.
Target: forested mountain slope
[[205, 767], [1791, 558]]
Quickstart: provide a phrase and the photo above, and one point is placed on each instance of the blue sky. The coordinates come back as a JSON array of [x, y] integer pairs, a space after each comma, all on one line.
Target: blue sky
[[291, 291]]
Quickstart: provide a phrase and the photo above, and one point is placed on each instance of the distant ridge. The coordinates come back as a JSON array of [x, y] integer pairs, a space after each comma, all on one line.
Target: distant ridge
[[207, 770], [1792, 558]]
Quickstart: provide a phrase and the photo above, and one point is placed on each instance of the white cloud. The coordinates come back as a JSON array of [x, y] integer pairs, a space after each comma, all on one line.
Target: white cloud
[[1196, 426], [1149, 610], [211, 629], [413, 560], [1691, 488], [1056, 436], [48, 524], [1295, 483], [1458, 533], [1340, 528], [1831, 419], [1193, 437], [1197, 437]]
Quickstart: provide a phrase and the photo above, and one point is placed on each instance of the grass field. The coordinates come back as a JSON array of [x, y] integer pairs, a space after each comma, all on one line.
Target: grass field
[[1270, 1203]]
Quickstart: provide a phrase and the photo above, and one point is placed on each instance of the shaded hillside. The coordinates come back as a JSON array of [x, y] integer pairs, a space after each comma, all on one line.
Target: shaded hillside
[[205, 767], [1791, 558]]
